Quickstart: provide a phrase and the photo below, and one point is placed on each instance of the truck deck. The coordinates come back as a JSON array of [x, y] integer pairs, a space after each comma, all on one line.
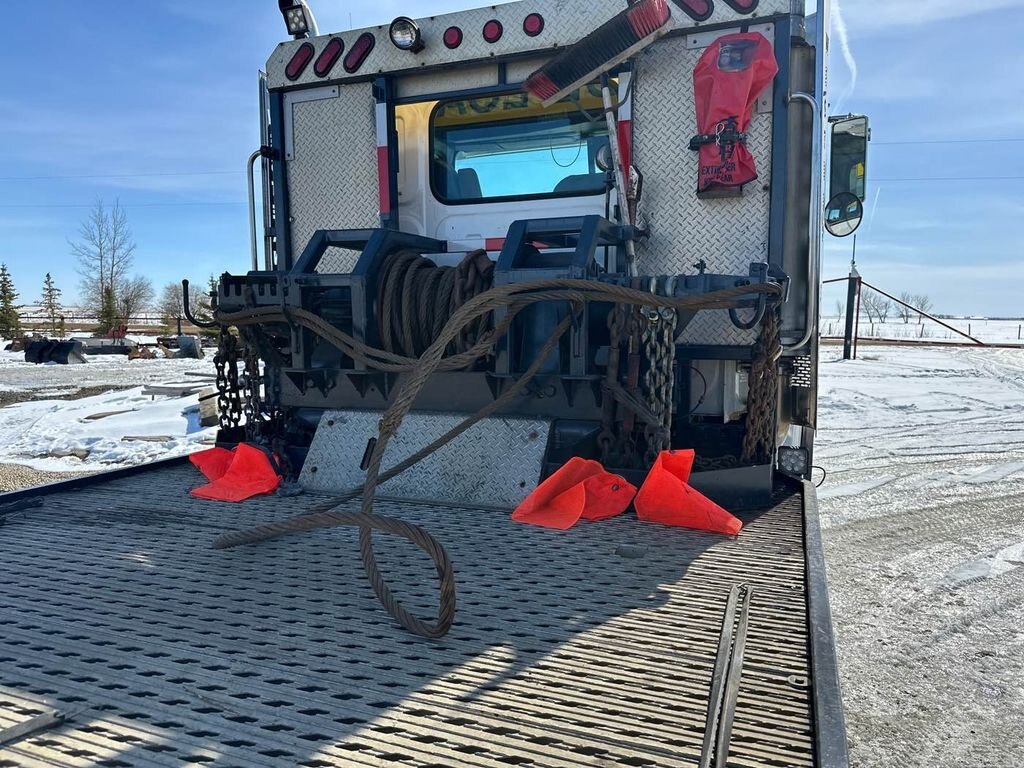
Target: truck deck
[[593, 647]]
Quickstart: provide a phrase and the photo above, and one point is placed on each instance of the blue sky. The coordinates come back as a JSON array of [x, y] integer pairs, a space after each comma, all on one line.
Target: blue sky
[[97, 93]]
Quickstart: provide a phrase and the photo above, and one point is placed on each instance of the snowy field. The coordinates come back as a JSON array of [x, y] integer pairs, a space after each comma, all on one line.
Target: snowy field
[[54, 431], [923, 511], [988, 331]]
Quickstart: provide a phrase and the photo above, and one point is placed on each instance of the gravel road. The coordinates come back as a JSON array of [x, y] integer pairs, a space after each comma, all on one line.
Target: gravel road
[[14, 477], [923, 517]]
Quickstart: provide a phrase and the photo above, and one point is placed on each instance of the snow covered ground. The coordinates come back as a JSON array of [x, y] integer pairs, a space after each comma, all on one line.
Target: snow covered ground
[[988, 331], [52, 432], [923, 512]]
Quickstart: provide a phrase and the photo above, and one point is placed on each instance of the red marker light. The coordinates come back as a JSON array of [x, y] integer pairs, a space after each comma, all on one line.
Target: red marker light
[[698, 10], [533, 25], [742, 6], [359, 51], [493, 31], [331, 53], [453, 37], [300, 60]]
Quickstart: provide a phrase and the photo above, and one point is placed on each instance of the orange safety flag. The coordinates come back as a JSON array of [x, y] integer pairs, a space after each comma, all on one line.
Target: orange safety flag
[[667, 498], [580, 489], [235, 475]]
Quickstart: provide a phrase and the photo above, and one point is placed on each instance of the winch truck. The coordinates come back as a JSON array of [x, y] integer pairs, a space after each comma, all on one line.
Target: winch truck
[[483, 244]]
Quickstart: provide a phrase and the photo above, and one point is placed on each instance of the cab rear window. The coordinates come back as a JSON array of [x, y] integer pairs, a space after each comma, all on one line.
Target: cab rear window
[[509, 147]]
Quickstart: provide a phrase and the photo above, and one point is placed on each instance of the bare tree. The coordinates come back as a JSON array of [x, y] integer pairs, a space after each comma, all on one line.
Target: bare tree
[[840, 309], [923, 303], [105, 250], [884, 307], [868, 300], [907, 314], [136, 294]]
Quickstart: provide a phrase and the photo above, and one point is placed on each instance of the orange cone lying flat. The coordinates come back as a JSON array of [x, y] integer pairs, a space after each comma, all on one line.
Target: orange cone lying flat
[[667, 498], [249, 473], [580, 489], [213, 463]]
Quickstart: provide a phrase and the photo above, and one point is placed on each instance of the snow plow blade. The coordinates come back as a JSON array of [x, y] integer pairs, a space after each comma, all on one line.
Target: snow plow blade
[[60, 352], [595, 646]]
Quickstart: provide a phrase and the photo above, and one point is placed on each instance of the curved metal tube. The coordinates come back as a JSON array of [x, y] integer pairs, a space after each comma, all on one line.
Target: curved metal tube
[[814, 242], [759, 310], [251, 175], [188, 310]]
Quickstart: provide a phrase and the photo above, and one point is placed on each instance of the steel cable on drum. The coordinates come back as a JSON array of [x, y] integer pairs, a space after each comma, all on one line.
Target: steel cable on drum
[[475, 308]]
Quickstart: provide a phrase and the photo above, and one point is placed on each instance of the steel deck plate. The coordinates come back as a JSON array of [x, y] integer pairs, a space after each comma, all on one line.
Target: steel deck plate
[[592, 647], [494, 463]]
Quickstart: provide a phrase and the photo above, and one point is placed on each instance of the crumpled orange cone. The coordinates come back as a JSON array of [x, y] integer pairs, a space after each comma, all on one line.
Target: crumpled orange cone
[[667, 498], [236, 475], [213, 463], [581, 489]]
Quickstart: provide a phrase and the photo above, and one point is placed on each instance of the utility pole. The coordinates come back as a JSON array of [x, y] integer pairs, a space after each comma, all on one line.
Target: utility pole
[[852, 307]]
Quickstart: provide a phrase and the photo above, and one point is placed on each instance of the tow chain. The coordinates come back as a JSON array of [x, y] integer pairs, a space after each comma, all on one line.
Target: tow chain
[[253, 407], [229, 393], [763, 398], [659, 380]]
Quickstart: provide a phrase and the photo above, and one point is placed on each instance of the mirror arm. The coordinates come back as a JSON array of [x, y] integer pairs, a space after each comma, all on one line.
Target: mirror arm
[[814, 242]]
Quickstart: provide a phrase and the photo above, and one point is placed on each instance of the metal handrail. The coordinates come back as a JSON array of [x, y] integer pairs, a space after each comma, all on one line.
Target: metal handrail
[[251, 175], [814, 242]]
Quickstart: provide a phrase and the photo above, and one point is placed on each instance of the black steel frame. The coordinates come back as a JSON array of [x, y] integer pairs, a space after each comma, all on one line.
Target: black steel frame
[[830, 722]]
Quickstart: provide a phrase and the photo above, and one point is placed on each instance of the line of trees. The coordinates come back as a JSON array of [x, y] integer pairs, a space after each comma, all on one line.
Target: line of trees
[[880, 308], [105, 251]]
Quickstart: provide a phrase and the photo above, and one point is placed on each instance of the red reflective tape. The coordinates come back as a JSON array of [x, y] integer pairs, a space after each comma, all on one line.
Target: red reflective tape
[[626, 144], [384, 179], [494, 243]]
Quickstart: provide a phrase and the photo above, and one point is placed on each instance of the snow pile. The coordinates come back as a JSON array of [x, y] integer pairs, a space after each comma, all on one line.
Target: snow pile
[[59, 435]]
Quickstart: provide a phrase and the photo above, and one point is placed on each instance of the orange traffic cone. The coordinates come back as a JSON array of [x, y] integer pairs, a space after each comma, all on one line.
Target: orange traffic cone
[[667, 498], [249, 474], [580, 489], [213, 463]]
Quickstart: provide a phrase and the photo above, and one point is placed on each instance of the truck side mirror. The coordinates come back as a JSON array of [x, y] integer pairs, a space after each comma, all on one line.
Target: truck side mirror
[[843, 214], [848, 178]]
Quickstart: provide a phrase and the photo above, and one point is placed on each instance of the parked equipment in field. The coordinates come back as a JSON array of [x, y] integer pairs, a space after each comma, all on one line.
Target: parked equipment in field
[[55, 351]]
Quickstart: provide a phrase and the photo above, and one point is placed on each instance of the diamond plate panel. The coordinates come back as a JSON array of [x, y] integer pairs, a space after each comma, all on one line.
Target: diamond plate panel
[[460, 79], [566, 22], [332, 173], [338, 261], [729, 233], [495, 463]]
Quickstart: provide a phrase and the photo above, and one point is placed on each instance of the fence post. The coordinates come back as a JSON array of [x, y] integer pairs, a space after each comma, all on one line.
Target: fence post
[[852, 310]]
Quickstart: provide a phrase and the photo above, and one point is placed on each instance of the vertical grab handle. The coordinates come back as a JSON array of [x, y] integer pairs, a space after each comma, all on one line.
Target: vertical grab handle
[[251, 176], [814, 242]]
